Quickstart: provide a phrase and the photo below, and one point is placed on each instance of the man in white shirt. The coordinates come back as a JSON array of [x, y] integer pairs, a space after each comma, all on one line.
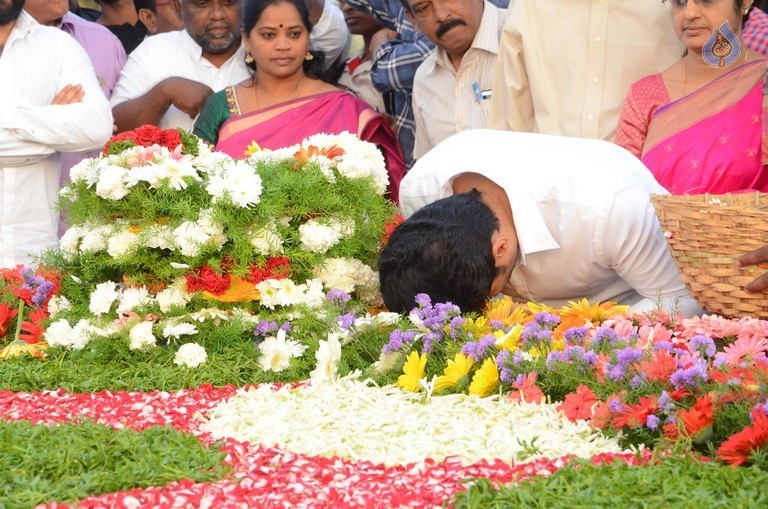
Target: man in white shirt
[[555, 219], [52, 102], [452, 87], [169, 76], [565, 67]]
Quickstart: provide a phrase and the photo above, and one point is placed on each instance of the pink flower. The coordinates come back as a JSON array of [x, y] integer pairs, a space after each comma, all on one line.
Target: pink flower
[[714, 326], [745, 349]]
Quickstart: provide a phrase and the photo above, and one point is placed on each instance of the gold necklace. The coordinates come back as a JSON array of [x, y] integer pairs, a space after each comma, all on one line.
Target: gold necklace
[[256, 87], [685, 70]]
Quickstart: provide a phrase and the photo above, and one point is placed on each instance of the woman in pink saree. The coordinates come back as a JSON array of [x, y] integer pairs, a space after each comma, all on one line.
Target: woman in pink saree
[[283, 103], [699, 127]]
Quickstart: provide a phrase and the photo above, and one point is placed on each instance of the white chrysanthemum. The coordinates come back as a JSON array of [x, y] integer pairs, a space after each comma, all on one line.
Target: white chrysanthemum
[[131, 298], [323, 164], [389, 362], [189, 237], [87, 170], [96, 238], [277, 352], [58, 304], [319, 237], [346, 274], [175, 330], [122, 242], [157, 236], [139, 174], [111, 184], [190, 355], [214, 315], [213, 162], [314, 296], [70, 240], [239, 182], [245, 316], [328, 355], [280, 292], [103, 297], [170, 298], [60, 333], [176, 172], [141, 337], [207, 220], [266, 239]]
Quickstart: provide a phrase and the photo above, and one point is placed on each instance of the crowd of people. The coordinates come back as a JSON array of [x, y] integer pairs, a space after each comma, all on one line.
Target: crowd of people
[[554, 121]]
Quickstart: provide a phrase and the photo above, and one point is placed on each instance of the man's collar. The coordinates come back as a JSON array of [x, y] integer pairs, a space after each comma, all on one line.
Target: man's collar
[[532, 232]]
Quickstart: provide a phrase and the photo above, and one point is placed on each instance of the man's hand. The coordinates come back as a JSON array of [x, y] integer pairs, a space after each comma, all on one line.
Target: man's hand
[[187, 95], [70, 94], [757, 256]]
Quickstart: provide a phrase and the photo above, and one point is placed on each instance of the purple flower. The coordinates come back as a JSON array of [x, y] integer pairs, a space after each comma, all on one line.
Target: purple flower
[[637, 381], [665, 403], [429, 339], [576, 334], [506, 375], [604, 336], [41, 293], [690, 377], [517, 357], [346, 321], [719, 362], [589, 358], [476, 350], [553, 357], [397, 339], [286, 326], [423, 300], [652, 422], [662, 345], [628, 355], [456, 323], [616, 406], [338, 297], [496, 324], [704, 345], [501, 359], [547, 320], [616, 372], [264, 328]]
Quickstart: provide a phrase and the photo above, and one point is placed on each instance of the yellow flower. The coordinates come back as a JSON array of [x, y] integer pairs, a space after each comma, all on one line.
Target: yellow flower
[[457, 369], [252, 149], [507, 311], [595, 313], [19, 347], [541, 308], [413, 371], [486, 379], [477, 327], [510, 340]]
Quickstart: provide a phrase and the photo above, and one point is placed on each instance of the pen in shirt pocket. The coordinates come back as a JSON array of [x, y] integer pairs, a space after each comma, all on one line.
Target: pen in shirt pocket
[[481, 94]]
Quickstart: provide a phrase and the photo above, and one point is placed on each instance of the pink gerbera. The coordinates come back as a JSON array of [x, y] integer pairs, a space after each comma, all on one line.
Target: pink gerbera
[[746, 349]]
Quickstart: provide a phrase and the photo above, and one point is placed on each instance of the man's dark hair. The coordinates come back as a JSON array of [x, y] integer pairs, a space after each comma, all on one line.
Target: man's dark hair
[[11, 12], [145, 4], [443, 250]]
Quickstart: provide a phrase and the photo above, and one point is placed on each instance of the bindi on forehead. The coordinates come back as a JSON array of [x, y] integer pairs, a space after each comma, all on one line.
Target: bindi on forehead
[[280, 25]]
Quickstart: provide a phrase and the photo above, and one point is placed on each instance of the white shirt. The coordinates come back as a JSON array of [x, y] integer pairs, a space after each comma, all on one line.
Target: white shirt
[[445, 100], [36, 64], [565, 66], [177, 54], [358, 80], [582, 211]]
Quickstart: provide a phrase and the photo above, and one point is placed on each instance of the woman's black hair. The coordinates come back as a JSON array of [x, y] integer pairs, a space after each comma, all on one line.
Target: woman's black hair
[[252, 12]]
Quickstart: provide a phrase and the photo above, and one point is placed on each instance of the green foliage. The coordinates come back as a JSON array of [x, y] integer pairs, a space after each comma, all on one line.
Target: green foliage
[[68, 462], [674, 482]]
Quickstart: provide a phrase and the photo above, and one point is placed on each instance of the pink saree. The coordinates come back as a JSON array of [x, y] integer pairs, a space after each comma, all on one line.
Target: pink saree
[[710, 141], [331, 113]]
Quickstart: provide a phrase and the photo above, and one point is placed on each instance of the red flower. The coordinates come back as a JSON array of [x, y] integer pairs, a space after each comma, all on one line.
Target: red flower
[[276, 267], [6, 315], [579, 405], [146, 136], [737, 449], [33, 330], [527, 391], [205, 278], [693, 422], [636, 415], [389, 228], [661, 366]]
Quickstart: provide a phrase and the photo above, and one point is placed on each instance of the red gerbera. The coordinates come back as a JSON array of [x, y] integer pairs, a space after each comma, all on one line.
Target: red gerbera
[[694, 422], [738, 448], [6, 315], [660, 367], [33, 330], [579, 405], [635, 415]]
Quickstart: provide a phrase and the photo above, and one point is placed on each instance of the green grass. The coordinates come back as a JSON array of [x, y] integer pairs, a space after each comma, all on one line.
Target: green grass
[[674, 483], [68, 462]]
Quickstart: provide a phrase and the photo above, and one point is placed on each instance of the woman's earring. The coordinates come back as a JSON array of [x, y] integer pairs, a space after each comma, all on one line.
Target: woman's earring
[[248, 58], [309, 56]]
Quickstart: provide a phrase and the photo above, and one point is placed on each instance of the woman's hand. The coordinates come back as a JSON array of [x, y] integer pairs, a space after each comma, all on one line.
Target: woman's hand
[[757, 256]]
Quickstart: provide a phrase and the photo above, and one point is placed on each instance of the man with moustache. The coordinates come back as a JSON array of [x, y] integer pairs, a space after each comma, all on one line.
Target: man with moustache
[[51, 103], [452, 87], [169, 76]]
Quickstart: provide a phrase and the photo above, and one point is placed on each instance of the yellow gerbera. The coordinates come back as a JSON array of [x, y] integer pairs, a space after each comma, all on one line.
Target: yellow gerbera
[[510, 340], [457, 369], [507, 311], [413, 371], [252, 149], [19, 347], [541, 308], [486, 379], [595, 313], [477, 327]]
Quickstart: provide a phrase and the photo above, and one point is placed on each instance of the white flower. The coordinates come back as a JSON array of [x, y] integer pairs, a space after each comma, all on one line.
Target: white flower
[[87, 170], [60, 333], [169, 298], [266, 239], [317, 237], [157, 236], [215, 315], [176, 172], [133, 297], [141, 337], [111, 184], [190, 355], [96, 238], [348, 274], [212, 162], [328, 355], [103, 297], [122, 243], [314, 296], [189, 237], [176, 330], [277, 352], [280, 292], [57, 304], [389, 362], [70, 240], [239, 182], [370, 323]]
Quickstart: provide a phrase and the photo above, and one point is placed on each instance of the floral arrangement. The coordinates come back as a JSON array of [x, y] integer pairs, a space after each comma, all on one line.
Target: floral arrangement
[[167, 239], [653, 378]]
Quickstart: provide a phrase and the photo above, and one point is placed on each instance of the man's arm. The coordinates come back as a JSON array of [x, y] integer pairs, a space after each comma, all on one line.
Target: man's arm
[[760, 284], [511, 107], [77, 119]]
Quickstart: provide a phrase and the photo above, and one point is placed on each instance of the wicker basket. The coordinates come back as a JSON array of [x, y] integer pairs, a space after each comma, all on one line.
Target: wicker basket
[[706, 233]]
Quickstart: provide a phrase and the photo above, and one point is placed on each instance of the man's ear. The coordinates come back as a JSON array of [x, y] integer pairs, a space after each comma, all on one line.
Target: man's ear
[[499, 248], [147, 17]]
